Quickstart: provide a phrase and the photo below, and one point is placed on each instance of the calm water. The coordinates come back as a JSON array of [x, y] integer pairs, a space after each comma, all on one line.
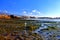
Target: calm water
[[58, 20]]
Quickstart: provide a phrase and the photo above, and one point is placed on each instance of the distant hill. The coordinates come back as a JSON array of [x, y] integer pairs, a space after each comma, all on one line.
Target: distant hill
[[4, 16], [7, 16]]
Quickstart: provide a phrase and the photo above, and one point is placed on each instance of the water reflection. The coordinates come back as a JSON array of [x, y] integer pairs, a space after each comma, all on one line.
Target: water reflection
[[49, 34]]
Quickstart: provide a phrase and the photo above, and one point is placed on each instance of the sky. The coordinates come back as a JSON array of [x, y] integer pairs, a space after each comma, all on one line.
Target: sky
[[41, 8]]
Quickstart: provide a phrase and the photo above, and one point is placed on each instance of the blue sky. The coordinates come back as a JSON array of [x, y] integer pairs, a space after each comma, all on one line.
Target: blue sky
[[50, 8]]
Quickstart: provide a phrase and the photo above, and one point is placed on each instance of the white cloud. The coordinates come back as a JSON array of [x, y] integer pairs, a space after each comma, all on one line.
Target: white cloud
[[24, 12], [5, 11], [34, 10], [38, 12], [32, 13]]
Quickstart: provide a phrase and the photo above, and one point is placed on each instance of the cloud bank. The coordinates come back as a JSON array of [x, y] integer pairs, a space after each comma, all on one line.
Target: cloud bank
[[32, 13]]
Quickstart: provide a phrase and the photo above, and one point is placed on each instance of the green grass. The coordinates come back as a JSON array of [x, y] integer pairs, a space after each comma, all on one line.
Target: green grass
[[16, 24]]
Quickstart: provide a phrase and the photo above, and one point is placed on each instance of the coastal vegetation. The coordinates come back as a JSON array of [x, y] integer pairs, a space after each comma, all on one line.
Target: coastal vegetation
[[14, 28]]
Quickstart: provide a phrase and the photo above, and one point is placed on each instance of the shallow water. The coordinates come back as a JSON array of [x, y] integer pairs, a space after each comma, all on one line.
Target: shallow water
[[57, 20], [47, 34]]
